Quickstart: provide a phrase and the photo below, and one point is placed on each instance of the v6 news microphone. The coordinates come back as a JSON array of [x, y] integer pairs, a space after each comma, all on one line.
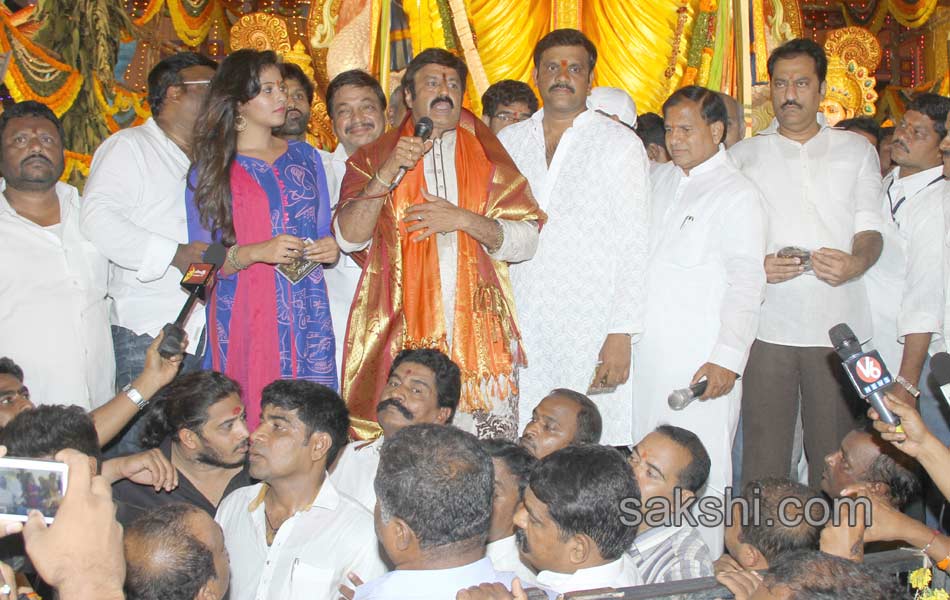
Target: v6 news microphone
[[680, 399], [865, 369], [199, 281], [423, 130]]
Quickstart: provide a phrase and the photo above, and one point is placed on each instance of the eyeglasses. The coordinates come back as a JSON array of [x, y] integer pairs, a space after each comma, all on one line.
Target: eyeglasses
[[201, 82], [8, 396], [510, 117]]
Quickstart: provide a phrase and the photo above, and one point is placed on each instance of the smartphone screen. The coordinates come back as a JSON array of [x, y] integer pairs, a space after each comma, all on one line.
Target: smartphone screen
[[31, 484]]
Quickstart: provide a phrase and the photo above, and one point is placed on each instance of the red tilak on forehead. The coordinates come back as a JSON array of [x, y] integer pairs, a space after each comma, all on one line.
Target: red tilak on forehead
[[563, 63], [236, 411]]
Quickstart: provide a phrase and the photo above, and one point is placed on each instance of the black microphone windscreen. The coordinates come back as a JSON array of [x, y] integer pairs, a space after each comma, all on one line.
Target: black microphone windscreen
[[940, 367], [841, 334], [424, 128], [215, 254]]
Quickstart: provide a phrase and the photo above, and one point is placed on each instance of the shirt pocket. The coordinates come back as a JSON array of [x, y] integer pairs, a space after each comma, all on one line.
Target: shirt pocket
[[308, 582], [687, 246]]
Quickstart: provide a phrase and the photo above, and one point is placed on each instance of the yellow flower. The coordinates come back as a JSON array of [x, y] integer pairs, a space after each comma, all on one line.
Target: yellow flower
[[938, 595], [920, 578]]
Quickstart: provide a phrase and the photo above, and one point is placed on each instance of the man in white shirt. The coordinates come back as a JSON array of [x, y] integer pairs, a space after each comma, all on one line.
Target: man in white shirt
[[572, 528], [513, 466], [356, 105], [133, 211], [705, 283], [589, 173], [423, 387], [438, 241], [821, 188], [907, 284], [669, 462], [294, 536], [435, 502], [507, 102], [54, 307]]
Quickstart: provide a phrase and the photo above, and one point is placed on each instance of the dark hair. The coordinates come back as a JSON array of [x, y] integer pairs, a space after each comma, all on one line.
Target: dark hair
[[769, 534], [508, 91], [565, 37], [318, 407], [518, 460], [215, 143], [167, 73], [47, 429], [863, 124], [357, 78], [439, 481], [651, 129], [887, 132], [800, 47], [814, 575], [169, 562], [29, 108], [8, 367], [289, 70], [448, 378], [184, 404], [694, 475], [898, 471], [589, 423], [433, 56], [934, 107], [711, 106], [583, 488]]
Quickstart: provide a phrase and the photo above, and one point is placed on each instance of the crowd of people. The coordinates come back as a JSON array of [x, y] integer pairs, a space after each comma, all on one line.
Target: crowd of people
[[436, 362]]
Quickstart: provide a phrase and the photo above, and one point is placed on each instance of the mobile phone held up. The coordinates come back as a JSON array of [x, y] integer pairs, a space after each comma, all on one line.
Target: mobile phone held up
[[31, 484]]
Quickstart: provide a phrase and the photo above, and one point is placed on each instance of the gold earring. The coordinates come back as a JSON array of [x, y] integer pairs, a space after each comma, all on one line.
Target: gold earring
[[240, 123]]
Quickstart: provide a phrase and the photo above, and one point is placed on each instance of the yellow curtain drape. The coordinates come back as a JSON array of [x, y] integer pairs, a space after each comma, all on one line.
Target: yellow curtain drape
[[506, 31]]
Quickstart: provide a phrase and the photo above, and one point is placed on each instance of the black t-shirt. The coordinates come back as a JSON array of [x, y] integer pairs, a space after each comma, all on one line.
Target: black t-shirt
[[133, 499]]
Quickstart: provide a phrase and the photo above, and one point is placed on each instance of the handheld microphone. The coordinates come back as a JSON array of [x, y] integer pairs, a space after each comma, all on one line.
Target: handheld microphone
[[423, 130], [680, 399], [940, 367], [199, 281], [865, 369]]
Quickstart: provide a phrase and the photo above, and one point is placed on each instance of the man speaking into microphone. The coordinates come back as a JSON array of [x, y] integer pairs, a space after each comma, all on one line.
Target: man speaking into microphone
[[438, 221], [705, 282]]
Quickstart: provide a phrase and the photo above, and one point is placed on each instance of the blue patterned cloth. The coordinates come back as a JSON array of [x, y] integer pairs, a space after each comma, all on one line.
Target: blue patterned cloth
[[298, 202]]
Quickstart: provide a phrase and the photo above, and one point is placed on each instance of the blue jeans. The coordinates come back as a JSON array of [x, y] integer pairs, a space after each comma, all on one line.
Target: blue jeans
[[129, 361]]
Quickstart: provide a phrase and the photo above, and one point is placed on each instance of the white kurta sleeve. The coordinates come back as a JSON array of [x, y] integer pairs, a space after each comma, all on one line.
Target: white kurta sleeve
[[520, 243], [742, 244], [114, 188], [922, 301], [345, 245], [868, 190], [630, 232]]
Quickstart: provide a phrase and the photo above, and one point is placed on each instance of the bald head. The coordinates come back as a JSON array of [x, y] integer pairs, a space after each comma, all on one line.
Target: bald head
[[175, 552], [735, 127]]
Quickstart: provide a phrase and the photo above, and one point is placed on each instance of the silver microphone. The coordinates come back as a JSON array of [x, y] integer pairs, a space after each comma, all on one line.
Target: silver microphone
[[680, 399], [423, 130]]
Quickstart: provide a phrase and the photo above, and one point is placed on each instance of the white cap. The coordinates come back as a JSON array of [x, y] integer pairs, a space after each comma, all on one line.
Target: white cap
[[614, 101]]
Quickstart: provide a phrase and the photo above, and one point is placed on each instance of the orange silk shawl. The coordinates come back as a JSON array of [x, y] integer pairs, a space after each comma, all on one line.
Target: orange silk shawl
[[398, 303]]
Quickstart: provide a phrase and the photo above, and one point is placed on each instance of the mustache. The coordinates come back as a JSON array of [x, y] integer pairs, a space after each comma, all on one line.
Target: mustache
[[39, 156], [788, 103], [442, 99], [902, 145], [562, 86], [522, 541], [398, 406], [353, 126], [296, 110]]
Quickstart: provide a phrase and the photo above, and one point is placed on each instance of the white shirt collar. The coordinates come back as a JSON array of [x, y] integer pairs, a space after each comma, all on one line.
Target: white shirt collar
[[340, 153], [583, 579], [710, 164], [328, 497], [652, 538], [912, 184], [502, 544], [773, 126], [67, 195]]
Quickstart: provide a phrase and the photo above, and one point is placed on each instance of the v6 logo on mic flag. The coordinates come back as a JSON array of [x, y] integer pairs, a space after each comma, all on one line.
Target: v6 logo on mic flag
[[868, 373]]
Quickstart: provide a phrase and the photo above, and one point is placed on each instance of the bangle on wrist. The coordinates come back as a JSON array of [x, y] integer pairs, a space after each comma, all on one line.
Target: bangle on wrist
[[932, 540], [910, 387], [232, 259], [382, 182]]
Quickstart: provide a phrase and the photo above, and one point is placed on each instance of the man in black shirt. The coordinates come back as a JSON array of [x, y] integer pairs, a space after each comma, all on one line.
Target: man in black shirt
[[197, 422]]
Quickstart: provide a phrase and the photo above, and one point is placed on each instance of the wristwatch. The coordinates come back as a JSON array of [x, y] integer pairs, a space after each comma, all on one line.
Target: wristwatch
[[910, 387], [134, 395]]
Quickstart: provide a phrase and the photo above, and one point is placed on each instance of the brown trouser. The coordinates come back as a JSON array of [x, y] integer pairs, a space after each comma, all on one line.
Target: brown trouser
[[775, 378]]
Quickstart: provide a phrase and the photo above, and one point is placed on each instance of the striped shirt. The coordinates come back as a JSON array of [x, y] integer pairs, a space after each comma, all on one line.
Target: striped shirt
[[671, 554]]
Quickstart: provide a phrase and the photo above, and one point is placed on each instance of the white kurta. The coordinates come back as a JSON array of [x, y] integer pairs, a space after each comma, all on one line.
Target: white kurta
[[705, 284], [906, 284], [586, 279], [54, 309]]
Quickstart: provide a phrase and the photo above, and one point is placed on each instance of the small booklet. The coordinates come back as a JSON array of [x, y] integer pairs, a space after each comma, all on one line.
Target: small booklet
[[296, 271]]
